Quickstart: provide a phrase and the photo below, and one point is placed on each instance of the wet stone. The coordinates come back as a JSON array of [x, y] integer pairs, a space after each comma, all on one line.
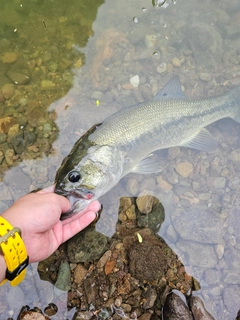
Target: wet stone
[[206, 227], [205, 76], [87, 245], [184, 169], [79, 273], [219, 182], [9, 57], [5, 124], [8, 91], [21, 140], [64, 277], [198, 309], [132, 187], [18, 78]]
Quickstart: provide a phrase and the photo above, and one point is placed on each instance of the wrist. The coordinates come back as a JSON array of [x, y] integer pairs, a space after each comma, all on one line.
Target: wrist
[[13, 251], [3, 268]]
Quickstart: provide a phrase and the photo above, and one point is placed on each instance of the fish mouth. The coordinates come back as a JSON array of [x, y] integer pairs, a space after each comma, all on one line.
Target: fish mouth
[[82, 193], [77, 198]]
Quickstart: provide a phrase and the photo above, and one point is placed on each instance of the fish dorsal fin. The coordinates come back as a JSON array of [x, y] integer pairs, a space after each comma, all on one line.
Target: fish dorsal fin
[[171, 90], [202, 140]]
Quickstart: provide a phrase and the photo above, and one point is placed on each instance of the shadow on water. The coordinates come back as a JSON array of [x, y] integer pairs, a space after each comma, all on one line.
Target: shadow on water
[[64, 68]]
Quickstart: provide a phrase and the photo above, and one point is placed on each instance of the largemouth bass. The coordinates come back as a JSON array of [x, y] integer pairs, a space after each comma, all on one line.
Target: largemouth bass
[[124, 142]]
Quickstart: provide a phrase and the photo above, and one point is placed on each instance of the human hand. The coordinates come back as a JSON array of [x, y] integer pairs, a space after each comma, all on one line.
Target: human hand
[[38, 217]]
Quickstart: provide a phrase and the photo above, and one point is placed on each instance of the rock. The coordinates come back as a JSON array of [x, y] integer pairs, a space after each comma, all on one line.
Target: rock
[[9, 154], [132, 186], [87, 245], [206, 227], [184, 169], [145, 203], [150, 297], [64, 277], [21, 140], [6, 123], [18, 78], [8, 91], [79, 273], [135, 81], [200, 255], [151, 41], [47, 85], [9, 57], [198, 309], [219, 182], [145, 264], [162, 67], [175, 307], [205, 42], [176, 62], [235, 156], [205, 76], [163, 184], [1, 96]]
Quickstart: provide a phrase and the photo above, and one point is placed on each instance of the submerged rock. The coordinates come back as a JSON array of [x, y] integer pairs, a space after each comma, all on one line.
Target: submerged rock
[[87, 246], [198, 309], [205, 42]]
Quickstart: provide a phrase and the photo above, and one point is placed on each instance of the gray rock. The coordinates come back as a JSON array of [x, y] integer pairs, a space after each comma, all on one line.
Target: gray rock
[[199, 255], [199, 225], [64, 277], [205, 42]]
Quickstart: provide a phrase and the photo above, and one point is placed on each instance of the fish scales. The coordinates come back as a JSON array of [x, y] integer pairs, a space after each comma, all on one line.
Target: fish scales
[[172, 120]]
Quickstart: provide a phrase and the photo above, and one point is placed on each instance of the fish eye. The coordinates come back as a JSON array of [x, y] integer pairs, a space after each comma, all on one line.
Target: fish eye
[[74, 176]]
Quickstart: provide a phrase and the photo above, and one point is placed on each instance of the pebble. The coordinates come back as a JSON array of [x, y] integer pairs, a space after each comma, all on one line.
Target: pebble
[[9, 57], [64, 277], [219, 182], [9, 154], [205, 76], [151, 41], [184, 169], [47, 85], [173, 153], [162, 67], [132, 186], [176, 62], [79, 273], [135, 81], [145, 204], [8, 91], [163, 184], [5, 124], [18, 78]]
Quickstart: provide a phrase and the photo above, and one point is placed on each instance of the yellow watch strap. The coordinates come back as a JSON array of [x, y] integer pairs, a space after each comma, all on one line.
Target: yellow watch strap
[[14, 252]]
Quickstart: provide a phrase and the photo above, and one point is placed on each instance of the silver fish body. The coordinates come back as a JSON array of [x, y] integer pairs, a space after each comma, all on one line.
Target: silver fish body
[[124, 142]]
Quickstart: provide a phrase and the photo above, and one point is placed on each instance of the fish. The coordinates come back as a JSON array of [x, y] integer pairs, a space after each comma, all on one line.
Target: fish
[[126, 140]]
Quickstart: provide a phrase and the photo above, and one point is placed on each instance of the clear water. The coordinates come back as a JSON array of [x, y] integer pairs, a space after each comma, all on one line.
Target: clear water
[[78, 60]]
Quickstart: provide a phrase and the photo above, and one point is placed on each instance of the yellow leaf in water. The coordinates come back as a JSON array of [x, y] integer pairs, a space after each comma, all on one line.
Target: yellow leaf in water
[[140, 239]]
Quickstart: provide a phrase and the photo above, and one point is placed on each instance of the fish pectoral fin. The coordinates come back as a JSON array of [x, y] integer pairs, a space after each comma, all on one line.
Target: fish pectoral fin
[[202, 140], [147, 166]]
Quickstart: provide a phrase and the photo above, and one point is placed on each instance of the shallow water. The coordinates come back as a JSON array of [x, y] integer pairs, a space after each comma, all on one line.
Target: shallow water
[[70, 67]]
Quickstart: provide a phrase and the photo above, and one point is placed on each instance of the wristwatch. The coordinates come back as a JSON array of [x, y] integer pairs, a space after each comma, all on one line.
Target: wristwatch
[[13, 249]]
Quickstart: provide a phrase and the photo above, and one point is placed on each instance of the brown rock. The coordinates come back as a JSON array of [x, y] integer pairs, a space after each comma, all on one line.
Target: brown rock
[[8, 90], [6, 123], [9, 57], [184, 169], [79, 273]]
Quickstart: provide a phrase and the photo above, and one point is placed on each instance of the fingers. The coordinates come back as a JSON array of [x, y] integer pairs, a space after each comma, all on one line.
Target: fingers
[[74, 226], [47, 190]]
